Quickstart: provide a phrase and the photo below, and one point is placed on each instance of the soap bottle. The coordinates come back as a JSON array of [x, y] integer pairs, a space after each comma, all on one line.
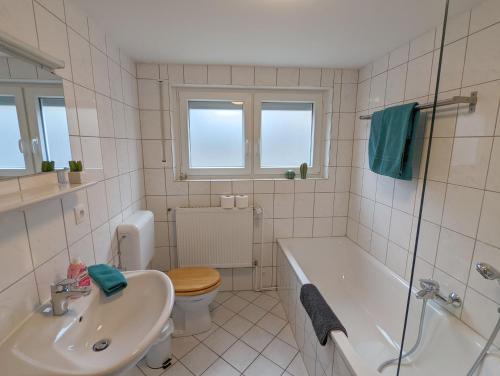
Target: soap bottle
[[78, 270]]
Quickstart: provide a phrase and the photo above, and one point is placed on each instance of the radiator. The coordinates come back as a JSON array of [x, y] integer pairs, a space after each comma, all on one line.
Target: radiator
[[214, 237]]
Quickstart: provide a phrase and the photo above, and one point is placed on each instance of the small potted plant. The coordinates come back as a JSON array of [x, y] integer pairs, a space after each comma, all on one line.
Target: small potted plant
[[76, 174], [48, 166], [303, 170]]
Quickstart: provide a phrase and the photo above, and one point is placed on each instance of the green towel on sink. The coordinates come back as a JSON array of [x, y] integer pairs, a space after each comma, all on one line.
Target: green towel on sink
[[108, 278], [392, 144]]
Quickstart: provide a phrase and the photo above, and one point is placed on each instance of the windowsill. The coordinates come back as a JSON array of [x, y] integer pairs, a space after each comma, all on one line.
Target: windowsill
[[195, 179]]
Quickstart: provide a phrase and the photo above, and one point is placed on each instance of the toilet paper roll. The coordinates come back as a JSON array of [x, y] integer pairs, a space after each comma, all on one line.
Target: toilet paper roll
[[242, 201], [227, 201]]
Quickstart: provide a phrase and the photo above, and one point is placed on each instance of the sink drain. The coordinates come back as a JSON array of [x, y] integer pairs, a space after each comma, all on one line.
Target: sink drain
[[101, 345]]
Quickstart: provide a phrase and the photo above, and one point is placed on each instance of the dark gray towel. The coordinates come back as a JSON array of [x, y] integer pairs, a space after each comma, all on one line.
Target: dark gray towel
[[322, 317]]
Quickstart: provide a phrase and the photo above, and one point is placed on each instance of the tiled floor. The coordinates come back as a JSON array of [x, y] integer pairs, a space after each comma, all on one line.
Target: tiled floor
[[250, 336]]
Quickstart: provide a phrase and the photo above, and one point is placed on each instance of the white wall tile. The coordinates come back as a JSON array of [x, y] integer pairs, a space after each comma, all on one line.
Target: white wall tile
[[483, 54], [219, 75], [195, 74], [399, 56], [310, 77], [242, 75], [15, 255], [490, 220], [45, 230], [455, 254], [288, 76], [469, 162], [265, 76], [81, 62], [98, 208], [461, 209]]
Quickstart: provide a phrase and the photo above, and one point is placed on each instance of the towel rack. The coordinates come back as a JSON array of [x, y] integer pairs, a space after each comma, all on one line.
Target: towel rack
[[471, 100]]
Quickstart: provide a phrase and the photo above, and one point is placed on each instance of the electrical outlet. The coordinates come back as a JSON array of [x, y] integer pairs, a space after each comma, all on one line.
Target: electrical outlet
[[80, 212]]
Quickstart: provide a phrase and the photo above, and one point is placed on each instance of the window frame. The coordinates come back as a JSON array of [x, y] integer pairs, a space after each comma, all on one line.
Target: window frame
[[303, 97], [252, 98]]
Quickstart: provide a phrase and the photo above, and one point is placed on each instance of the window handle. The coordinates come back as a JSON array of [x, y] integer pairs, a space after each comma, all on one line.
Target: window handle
[[247, 148], [20, 146], [34, 145]]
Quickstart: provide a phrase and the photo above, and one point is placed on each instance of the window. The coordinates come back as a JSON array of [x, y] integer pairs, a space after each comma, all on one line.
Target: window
[[10, 136], [54, 131], [216, 134], [251, 133], [287, 131]]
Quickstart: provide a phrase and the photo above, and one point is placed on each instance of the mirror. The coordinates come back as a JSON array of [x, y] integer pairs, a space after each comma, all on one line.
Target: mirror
[[33, 123]]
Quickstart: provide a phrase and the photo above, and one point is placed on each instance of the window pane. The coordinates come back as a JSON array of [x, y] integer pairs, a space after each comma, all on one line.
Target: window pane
[[55, 131], [216, 134], [10, 155], [287, 134]]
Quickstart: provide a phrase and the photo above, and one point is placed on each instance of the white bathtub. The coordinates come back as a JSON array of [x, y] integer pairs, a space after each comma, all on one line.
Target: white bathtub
[[370, 301]]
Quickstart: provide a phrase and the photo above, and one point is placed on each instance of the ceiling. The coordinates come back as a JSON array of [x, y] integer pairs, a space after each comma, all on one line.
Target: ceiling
[[327, 33]]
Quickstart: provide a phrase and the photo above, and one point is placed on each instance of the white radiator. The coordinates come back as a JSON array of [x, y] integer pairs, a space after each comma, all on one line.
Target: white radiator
[[214, 237]]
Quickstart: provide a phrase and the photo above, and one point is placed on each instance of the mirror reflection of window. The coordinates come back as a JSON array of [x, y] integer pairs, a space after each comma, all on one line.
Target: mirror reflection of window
[[54, 131], [33, 122], [11, 155]]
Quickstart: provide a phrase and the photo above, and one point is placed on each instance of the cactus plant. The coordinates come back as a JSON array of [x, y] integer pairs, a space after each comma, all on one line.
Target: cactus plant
[[303, 170], [48, 166], [290, 174], [75, 166]]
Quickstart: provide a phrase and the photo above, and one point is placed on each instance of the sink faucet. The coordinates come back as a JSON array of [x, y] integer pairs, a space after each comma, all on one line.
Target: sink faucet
[[430, 290], [61, 291]]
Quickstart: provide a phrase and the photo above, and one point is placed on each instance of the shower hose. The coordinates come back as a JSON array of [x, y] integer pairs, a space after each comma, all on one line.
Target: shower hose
[[415, 346]]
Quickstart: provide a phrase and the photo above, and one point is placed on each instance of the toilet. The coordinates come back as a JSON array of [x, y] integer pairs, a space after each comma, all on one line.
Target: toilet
[[195, 287]]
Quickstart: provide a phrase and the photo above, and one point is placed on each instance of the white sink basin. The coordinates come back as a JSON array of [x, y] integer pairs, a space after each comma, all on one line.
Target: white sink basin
[[63, 345]]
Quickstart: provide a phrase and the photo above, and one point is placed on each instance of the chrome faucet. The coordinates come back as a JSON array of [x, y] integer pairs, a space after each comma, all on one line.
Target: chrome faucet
[[61, 291], [430, 290]]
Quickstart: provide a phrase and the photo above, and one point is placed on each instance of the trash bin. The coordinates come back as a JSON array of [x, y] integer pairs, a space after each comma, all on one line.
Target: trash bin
[[160, 354]]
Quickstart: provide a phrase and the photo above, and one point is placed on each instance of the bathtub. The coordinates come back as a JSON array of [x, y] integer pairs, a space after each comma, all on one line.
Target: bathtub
[[370, 300]]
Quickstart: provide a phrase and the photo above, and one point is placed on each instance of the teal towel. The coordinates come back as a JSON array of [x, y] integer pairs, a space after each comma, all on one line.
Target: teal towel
[[392, 141], [108, 278]]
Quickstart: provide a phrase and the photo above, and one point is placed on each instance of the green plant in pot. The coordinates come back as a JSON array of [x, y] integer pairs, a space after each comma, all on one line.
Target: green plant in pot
[[76, 174], [48, 166], [303, 170]]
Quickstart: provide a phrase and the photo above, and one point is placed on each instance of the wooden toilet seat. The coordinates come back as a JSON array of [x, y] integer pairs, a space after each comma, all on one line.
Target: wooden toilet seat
[[192, 281]]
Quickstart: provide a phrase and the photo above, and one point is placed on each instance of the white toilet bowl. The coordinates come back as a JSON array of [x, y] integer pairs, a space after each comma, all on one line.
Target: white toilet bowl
[[195, 289]]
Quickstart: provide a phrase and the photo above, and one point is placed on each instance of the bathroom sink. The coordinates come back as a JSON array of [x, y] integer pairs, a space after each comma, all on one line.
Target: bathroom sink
[[123, 327]]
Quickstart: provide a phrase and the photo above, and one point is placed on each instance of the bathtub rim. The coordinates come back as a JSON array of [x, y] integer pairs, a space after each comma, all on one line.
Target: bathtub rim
[[352, 359]]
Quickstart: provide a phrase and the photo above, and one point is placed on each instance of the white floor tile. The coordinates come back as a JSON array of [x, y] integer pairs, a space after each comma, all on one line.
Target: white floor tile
[[205, 335], [237, 326], [221, 315], [286, 335], [280, 352], [235, 303], [248, 295], [279, 311], [252, 312], [199, 359], [271, 323], [135, 371], [263, 367], [221, 368], [297, 367], [177, 369], [240, 355], [273, 294], [222, 296], [220, 340], [150, 371], [257, 338], [182, 345], [265, 302]]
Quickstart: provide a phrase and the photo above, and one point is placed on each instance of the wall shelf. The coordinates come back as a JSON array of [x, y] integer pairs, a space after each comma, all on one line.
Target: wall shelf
[[27, 197]]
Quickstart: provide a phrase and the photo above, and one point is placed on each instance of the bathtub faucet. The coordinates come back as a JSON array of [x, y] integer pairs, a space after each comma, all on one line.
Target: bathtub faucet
[[430, 290]]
